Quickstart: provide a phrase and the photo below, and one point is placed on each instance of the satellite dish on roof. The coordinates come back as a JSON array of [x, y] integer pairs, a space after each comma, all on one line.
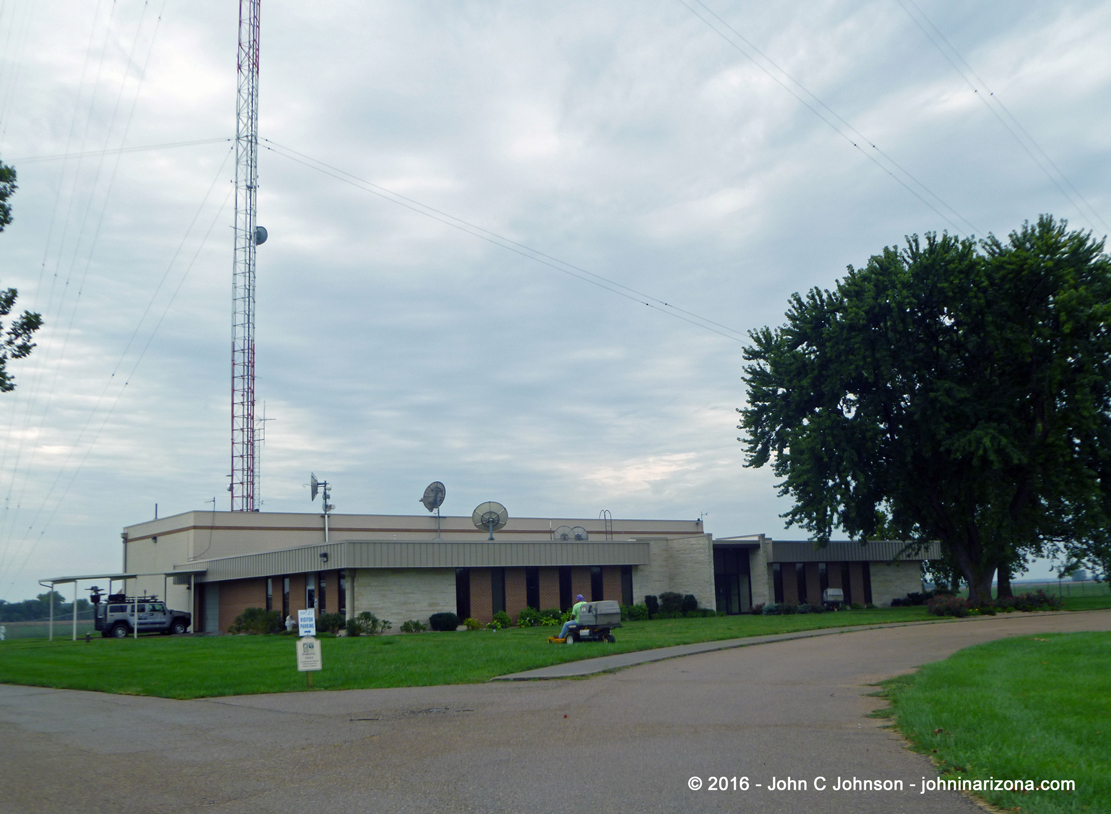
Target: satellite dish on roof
[[579, 533], [434, 496], [564, 533], [490, 515]]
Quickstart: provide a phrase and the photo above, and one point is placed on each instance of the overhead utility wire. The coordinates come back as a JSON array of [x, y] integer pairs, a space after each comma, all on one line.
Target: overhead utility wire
[[1023, 137], [117, 150], [506, 243], [836, 127], [119, 363], [92, 241]]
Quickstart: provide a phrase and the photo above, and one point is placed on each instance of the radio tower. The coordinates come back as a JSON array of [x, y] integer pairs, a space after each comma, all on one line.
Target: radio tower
[[243, 452]]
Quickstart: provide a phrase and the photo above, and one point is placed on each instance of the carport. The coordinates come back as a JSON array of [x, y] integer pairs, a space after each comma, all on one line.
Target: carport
[[123, 576]]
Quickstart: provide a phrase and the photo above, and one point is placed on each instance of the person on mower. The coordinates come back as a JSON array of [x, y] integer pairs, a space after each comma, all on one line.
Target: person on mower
[[574, 620]]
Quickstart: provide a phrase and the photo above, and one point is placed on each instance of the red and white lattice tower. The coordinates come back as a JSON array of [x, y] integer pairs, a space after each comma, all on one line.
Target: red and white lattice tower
[[244, 455]]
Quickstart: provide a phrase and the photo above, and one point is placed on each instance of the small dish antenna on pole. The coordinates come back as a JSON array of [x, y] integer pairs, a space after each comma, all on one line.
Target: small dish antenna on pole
[[321, 486], [433, 498], [490, 515]]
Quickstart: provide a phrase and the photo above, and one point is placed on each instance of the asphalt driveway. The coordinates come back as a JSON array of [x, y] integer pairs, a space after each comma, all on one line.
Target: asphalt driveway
[[791, 713]]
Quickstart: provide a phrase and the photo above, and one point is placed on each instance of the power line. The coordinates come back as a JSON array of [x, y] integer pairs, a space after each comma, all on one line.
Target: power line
[[116, 151], [506, 243], [833, 120]]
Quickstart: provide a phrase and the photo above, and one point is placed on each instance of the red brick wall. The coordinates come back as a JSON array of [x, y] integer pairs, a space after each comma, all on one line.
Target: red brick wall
[[482, 597], [813, 584], [549, 588], [580, 582], [516, 594], [790, 583], [238, 595], [856, 578], [611, 582]]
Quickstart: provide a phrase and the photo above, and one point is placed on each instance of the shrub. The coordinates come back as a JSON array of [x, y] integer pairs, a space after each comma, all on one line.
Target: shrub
[[772, 609], [653, 605], [1038, 600], [470, 623], [371, 625], [900, 602], [257, 621], [708, 612], [693, 614], [331, 622], [413, 626], [806, 607], [757, 610], [353, 627], [856, 606], [689, 603], [671, 602], [503, 620], [529, 617], [788, 610], [443, 621], [551, 616], [945, 605], [494, 625]]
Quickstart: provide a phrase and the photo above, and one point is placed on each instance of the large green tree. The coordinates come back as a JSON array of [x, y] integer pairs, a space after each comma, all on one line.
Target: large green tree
[[950, 390], [15, 343]]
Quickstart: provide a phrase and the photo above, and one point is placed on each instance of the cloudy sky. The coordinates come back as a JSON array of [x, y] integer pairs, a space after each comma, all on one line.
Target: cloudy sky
[[514, 246]]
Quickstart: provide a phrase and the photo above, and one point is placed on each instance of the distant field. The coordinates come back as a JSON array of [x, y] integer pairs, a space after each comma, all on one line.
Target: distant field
[[39, 629], [1064, 587]]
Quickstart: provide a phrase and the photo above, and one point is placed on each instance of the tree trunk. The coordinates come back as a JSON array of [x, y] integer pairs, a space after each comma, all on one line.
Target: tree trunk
[[1004, 589]]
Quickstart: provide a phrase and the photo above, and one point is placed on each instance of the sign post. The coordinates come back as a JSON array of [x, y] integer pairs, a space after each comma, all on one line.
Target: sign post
[[308, 647]]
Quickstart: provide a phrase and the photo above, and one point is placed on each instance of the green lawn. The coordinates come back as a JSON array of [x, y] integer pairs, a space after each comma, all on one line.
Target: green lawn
[[203, 666], [1031, 708]]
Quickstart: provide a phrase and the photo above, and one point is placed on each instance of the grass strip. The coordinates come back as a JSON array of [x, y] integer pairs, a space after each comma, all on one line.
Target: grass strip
[[1027, 708], [207, 666]]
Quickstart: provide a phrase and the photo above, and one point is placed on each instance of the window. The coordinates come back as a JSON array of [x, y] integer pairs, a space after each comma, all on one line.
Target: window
[[270, 593], [463, 593], [310, 591], [532, 587], [321, 594], [285, 598], [596, 585], [627, 584], [823, 580], [341, 590], [565, 602], [866, 575], [497, 589], [800, 578], [733, 592]]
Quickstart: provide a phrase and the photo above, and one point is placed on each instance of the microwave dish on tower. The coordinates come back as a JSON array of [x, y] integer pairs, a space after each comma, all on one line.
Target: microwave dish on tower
[[490, 515]]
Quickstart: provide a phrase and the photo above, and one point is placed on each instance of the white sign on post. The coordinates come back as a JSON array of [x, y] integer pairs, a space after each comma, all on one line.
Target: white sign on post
[[306, 622], [308, 655]]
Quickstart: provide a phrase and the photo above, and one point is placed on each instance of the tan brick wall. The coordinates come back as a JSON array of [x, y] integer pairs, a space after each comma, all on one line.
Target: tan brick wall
[[482, 599], [238, 595], [549, 588], [760, 574], [892, 580], [401, 594], [684, 565], [611, 582]]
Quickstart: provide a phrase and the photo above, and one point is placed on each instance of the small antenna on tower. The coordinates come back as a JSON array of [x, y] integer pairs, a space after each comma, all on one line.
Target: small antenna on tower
[[321, 486]]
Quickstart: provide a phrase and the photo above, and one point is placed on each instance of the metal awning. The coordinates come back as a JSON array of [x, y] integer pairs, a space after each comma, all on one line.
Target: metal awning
[[189, 570]]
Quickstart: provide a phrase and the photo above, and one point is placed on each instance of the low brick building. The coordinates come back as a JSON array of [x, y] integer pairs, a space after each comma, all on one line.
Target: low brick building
[[410, 567]]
